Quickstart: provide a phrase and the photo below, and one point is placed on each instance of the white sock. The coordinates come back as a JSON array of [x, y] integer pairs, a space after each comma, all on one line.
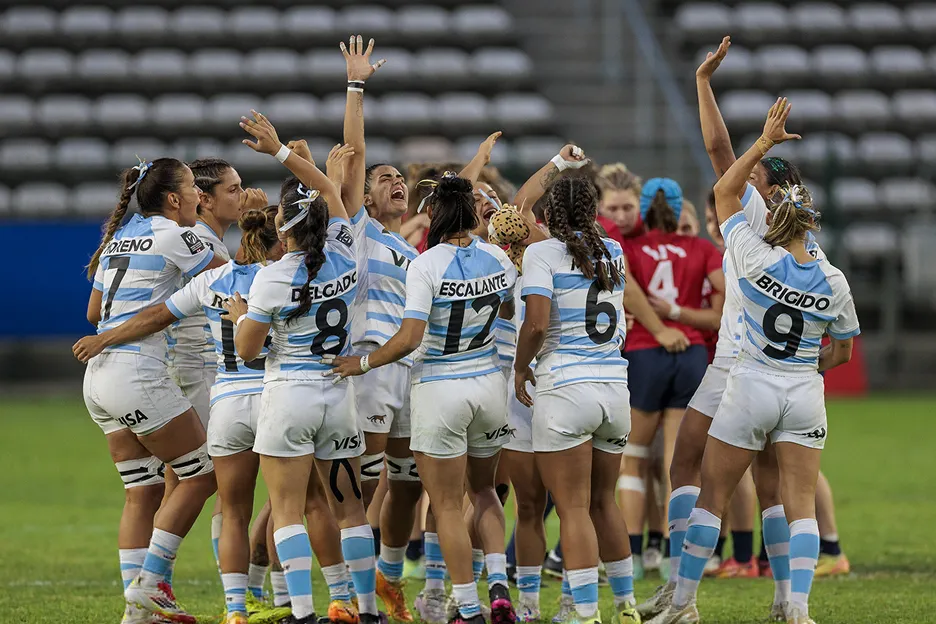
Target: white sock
[[528, 582], [131, 562], [256, 577], [466, 596], [280, 590], [621, 578], [159, 557], [390, 562], [584, 585], [235, 592], [435, 563], [216, 538], [496, 569]]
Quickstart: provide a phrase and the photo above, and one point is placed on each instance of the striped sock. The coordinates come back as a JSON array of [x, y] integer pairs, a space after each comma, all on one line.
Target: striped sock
[[235, 592], [467, 598], [584, 586], [390, 562], [477, 563], [621, 578], [280, 590], [804, 551], [159, 557], [295, 555], [336, 576], [167, 577], [435, 564], [776, 533], [566, 589], [357, 545], [131, 562], [698, 546], [496, 567], [529, 579], [681, 502], [256, 577], [216, 538]]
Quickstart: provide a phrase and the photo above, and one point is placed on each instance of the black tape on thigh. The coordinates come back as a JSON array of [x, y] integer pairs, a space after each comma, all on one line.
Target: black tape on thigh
[[333, 479]]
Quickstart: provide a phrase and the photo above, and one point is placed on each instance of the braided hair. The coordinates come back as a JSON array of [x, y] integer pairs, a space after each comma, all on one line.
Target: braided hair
[[309, 235], [453, 209], [208, 173], [571, 207]]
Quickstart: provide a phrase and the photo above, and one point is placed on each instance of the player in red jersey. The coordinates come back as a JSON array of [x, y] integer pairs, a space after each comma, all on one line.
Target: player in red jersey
[[670, 267]]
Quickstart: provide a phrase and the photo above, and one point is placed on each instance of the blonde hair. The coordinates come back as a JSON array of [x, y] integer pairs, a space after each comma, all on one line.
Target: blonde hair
[[792, 217], [617, 177], [689, 208], [258, 233]]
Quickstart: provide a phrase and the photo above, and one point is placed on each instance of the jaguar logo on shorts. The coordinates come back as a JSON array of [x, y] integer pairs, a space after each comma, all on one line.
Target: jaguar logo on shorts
[[619, 442], [818, 434], [497, 433], [513, 432], [378, 420]]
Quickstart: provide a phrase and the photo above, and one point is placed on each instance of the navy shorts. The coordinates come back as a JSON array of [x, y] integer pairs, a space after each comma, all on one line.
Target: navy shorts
[[661, 380]]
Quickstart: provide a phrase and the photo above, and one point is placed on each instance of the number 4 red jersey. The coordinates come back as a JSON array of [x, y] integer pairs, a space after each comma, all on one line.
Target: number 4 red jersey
[[671, 267]]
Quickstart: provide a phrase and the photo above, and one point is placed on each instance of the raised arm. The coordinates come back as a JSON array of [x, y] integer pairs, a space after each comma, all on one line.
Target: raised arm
[[359, 69], [730, 188], [569, 157], [714, 132], [147, 322], [268, 143], [472, 170]]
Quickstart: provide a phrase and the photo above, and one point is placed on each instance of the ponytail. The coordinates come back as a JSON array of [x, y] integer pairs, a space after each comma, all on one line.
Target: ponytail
[[453, 208], [309, 235], [792, 216], [660, 216]]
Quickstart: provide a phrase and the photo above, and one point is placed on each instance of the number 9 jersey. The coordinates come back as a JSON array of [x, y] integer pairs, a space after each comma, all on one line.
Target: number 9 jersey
[[297, 348]]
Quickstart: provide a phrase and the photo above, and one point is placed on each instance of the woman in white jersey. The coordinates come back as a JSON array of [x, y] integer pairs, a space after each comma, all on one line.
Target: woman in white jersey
[[127, 389], [774, 390], [454, 292], [573, 291]]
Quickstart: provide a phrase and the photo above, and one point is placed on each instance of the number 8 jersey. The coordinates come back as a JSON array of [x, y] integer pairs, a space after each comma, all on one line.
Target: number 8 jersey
[[297, 347], [586, 327], [787, 306], [458, 291]]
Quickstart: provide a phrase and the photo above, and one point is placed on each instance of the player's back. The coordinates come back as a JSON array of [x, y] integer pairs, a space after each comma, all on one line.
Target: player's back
[[586, 323]]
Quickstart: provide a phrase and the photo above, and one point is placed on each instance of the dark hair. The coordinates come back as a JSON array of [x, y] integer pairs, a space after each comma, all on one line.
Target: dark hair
[[369, 172], [309, 234], [710, 200], [781, 171], [208, 172], [163, 176], [258, 233], [572, 205], [660, 215], [453, 209]]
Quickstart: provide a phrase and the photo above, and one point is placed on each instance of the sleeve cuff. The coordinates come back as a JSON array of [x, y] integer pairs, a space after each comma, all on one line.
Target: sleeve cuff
[[846, 335], [96, 285], [415, 314], [536, 290], [201, 265], [732, 222], [335, 220], [176, 312], [360, 214], [260, 318]]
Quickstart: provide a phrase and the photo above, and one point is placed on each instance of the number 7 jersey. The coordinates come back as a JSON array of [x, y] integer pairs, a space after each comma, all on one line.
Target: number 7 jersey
[[458, 291], [787, 306]]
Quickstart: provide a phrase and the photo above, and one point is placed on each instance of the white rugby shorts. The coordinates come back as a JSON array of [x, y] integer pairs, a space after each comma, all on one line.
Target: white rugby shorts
[[758, 405], [452, 417], [382, 397], [124, 390], [300, 418], [196, 385], [568, 416], [233, 425], [520, 419], [708, 396]]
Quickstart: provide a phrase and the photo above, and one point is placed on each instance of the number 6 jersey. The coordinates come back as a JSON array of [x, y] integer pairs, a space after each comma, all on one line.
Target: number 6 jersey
[[297, 347], [458, 291], [787, 306], [583, 340]]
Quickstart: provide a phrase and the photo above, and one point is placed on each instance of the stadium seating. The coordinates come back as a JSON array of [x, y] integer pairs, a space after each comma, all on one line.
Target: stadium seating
[[87, 88]]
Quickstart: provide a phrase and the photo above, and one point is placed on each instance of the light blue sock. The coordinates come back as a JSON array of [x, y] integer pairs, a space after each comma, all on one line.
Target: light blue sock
[[295, 555], [216, 537], [235, 592], [477, 564], [131, 562], [336, 576], [804, 551], [496, 569], [435, 564], [357, 545], [566, 590], [681, 502], [390, 562], [777, 543], [621, 579], [159, 557], [698, 546], [584, 586], [466, 596], [529, 580]]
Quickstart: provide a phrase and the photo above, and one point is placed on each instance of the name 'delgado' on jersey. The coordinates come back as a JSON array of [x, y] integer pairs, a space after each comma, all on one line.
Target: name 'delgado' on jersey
[[328, 290]]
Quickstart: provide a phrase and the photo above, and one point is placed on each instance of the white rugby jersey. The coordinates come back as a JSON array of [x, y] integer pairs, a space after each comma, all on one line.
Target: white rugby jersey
[[787, 306], [143, 265], [297, 347], [732, 319], [458, 291], [190, 340], [204, 297], [505, 330], [383, 258], [586, 326]]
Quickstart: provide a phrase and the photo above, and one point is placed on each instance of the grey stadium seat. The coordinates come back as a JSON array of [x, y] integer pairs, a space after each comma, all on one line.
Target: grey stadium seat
[[40, 199], [332, 109], [142, 24], [64, 113], [856, 194], [125, 151], [885, 151], [367, 19], [737, 68], [521, 108], [84, 22], [193, 149], [787, 149], [534, 152], [324, 65], [254, 22], [223, 112], [305, 23], [400, 63], [449, 64], [704, 21], [779, 65], [272, 65], [380, 151], [926, 149], [7, 66], [109, 65], [87, 154], [456, 109], [819, 21], [861, 110], [876, 22], [121, 112], [864, 239], [425, 149], [29, 23], [216, 65], [746, 107], [160, 66], [816, 149], [898, 65], [19, 155], [17, 114], [502, 63], [245, 159], [420, 20], [292, 109], [840, 65], [762, 21], [177, 112], [481, 21], [413, 109], [94, 199], [921, 20], [45, 65], [916, 109], [818, 192], [198, 23], [907, 194], [5, 206], [467, 147], [811, 109]]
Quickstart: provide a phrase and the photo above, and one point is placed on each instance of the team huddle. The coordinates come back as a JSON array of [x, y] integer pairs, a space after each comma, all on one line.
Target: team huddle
[[360, 354]]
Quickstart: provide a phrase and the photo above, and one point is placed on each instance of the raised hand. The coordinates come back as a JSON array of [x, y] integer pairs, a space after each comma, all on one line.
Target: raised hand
[[335, 164], [261, 129], [301, 149], [775, 126], [487, 146], [253, 199], [573, 154], [712, 61], [358, 59]]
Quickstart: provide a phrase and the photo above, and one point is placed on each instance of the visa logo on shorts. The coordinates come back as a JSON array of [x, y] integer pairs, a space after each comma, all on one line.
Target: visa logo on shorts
[[497, 433], [135, 418], [128, 245], [329, 290], [787, 295], [348, 444]]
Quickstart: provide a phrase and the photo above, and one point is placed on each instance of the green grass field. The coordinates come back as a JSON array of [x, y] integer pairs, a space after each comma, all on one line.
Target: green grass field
[[61, 501]]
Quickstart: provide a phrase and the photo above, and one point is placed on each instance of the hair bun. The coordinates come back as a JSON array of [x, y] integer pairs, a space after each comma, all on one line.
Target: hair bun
[[451, 184], [252, 220]]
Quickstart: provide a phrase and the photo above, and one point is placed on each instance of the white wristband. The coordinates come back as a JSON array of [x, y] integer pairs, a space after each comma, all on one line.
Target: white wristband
[[674, 312], [562, 164], [239, 320], [283, 153], [365, 366]]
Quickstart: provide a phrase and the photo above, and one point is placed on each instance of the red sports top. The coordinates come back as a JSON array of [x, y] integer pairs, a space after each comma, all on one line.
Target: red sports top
[[670, 267]]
